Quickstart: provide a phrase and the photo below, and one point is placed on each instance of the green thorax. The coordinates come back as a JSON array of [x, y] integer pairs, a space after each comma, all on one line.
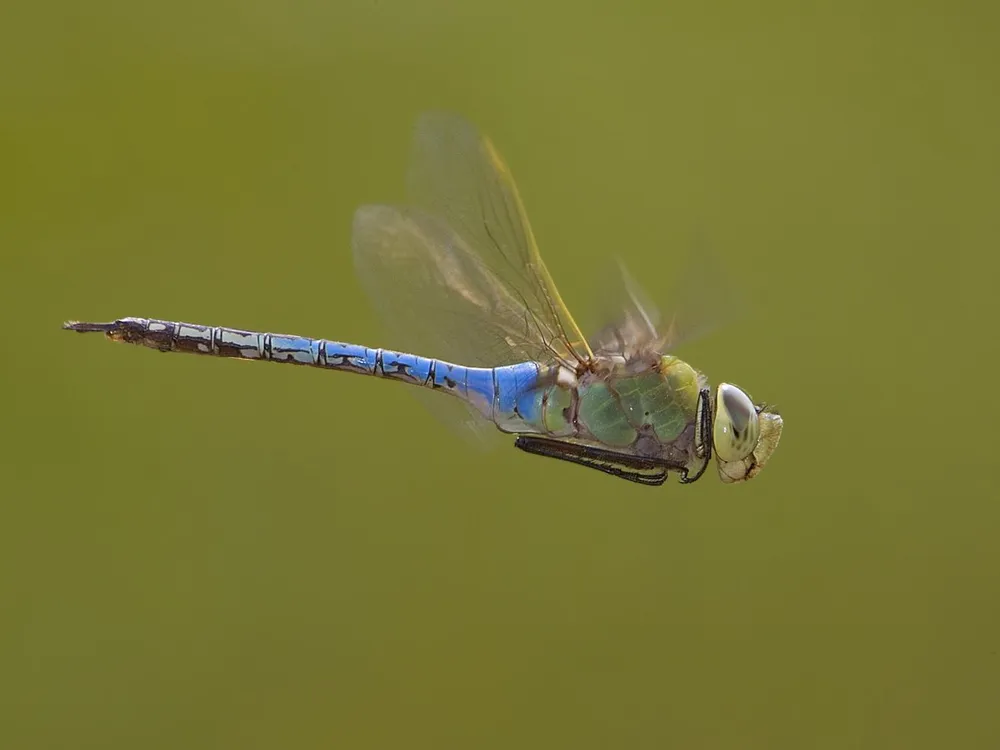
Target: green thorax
[[616, 408]]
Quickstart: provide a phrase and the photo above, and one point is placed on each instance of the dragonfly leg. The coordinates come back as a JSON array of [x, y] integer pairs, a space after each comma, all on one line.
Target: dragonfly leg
[[702, 435], [647, 471]]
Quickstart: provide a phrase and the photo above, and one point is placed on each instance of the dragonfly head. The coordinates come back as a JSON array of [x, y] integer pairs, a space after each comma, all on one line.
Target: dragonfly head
[[744, 435]]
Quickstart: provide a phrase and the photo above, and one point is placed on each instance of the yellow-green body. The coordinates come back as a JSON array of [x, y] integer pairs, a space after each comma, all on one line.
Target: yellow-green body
[[647, 409]]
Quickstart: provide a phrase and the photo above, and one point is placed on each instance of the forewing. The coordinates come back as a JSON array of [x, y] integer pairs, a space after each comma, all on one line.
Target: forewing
[[701, 297], [457, 176], [435, 293], [634, 330]]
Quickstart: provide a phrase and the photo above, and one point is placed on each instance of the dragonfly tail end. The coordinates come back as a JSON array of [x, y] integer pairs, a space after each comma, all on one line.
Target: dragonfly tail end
[[83, 327]]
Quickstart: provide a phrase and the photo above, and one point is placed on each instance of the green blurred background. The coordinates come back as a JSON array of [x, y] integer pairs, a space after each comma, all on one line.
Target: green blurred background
[[195, 553]]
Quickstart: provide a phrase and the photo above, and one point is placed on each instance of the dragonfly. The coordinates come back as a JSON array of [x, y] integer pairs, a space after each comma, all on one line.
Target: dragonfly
[[456, 270]]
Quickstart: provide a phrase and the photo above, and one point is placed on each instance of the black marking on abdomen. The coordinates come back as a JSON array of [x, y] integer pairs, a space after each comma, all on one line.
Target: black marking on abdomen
[[396, 368]]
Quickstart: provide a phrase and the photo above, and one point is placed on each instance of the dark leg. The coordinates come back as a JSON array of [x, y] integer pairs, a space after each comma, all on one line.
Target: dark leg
[[702, 435], [648, 471]]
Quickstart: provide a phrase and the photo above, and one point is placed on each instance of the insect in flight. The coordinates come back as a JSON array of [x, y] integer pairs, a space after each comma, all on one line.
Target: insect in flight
[[457, 271]]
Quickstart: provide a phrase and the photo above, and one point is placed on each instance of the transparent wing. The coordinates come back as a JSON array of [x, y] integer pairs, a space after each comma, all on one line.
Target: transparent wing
[[438, 297], [702, 299], [457, 274], [635, 327], [457, 177], [438, 301], [703, 295]]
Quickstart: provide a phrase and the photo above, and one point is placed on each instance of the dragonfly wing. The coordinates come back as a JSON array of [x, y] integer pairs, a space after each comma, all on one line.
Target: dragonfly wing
[[702, 298], [437, 296], [636, 319], [456, 273], [436, 300], [458, 176]]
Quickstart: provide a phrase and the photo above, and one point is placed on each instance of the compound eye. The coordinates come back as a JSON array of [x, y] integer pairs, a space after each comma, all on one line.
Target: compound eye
[[736, 426]]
